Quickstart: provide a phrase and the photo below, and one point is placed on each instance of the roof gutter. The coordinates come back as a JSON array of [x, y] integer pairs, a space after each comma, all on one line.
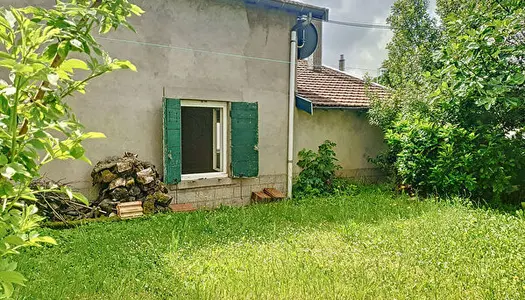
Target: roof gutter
[[291, 7], [291, 110], [341, 107]]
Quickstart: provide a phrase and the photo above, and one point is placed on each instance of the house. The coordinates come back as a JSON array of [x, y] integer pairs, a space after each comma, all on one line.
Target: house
[[209, 103], [339, 103]]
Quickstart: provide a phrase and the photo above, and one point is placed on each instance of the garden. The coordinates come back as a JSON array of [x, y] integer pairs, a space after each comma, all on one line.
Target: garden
[[369, 245]]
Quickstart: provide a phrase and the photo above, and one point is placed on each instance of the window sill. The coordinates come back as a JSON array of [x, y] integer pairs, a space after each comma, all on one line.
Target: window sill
[[204, 182], [203, 176]]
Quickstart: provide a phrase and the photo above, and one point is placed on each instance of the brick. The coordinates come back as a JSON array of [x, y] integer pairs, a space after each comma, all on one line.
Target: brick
[[258, 197], [182, 207], [274, 193]]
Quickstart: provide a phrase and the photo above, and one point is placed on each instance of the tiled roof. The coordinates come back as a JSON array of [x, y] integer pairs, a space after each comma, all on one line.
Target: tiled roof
[[328, 87]]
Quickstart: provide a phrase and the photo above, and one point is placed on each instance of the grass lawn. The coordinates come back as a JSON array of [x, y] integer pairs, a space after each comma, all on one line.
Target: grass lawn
[[370, 246]]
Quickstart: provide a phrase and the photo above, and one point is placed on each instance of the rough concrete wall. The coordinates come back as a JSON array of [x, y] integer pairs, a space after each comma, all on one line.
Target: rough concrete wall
[[356, 139], [127, 106], [211, 193]]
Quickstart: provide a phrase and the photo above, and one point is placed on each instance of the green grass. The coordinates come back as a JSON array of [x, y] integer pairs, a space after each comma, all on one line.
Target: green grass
[[370, 246]]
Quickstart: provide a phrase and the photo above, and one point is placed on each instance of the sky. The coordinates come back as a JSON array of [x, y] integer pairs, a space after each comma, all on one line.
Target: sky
[[363, 48]]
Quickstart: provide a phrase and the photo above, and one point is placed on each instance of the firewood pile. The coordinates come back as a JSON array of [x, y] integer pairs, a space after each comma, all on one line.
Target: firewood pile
[[56, 205], [128, 179]]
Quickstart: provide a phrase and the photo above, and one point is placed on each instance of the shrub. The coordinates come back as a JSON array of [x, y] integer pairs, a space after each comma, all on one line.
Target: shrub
[[447, 159], [318, 171]]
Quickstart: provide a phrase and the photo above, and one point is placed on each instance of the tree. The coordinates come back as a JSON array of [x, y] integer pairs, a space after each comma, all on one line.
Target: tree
[[416, 36], [36, 124], [469, 138]]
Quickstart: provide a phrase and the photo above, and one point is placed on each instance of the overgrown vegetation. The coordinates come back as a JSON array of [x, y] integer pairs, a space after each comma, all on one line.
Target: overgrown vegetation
[[369, 246], [456, 125], [36, 124], [318, 174]]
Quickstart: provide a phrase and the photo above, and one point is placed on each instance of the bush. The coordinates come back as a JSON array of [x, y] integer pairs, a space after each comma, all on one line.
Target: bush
[[459, 130], [447, 159], [318, 175]]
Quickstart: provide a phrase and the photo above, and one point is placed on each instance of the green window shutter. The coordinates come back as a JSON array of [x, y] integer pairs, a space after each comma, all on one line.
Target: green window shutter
[[172, 141], [244, 139]]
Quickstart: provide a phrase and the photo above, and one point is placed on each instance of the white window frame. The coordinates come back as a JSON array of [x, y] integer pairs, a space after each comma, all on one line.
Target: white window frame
[[224, 120]]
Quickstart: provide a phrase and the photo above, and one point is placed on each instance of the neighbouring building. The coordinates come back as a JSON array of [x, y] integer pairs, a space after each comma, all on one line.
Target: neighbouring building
[[339, 103]]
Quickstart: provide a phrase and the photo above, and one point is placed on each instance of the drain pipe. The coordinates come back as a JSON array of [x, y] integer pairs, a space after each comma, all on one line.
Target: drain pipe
[[291, 110]]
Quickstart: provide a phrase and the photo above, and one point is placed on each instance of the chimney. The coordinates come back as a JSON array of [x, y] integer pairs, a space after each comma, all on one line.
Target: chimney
[[318, 54], [310, 61], [342, 63]]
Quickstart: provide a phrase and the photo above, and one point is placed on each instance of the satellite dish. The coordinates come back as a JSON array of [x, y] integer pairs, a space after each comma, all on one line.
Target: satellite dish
[[307, 39]]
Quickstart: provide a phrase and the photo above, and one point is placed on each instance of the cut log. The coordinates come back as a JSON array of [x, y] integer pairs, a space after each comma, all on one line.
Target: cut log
[[274, 193], [145, 176], [117, 183], [124, 166], [106, 176], [258, 197]]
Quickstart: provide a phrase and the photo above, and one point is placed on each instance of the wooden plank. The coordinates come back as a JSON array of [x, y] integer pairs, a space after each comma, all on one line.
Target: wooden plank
[[134, 203], [129, 209], [260, 197], [274, 193], [182, 207], [131, 215]]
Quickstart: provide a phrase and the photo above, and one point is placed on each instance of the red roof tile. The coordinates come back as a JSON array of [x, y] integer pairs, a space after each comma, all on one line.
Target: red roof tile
[[328, 87]]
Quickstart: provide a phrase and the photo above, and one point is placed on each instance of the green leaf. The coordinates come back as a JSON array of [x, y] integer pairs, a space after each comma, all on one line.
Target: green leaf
[[45, 239], [80, 197], [8, 289], [63, 49], [37, 143], [3, 159], [517, 78], [136, 9], [12, 277], [93, 135], [69, 193], [123, 64], [28, 196], [74, 63], [77, 151], [14, 240]]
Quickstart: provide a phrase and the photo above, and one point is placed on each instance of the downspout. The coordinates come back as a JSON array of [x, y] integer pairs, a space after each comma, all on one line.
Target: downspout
[[291, 110]]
